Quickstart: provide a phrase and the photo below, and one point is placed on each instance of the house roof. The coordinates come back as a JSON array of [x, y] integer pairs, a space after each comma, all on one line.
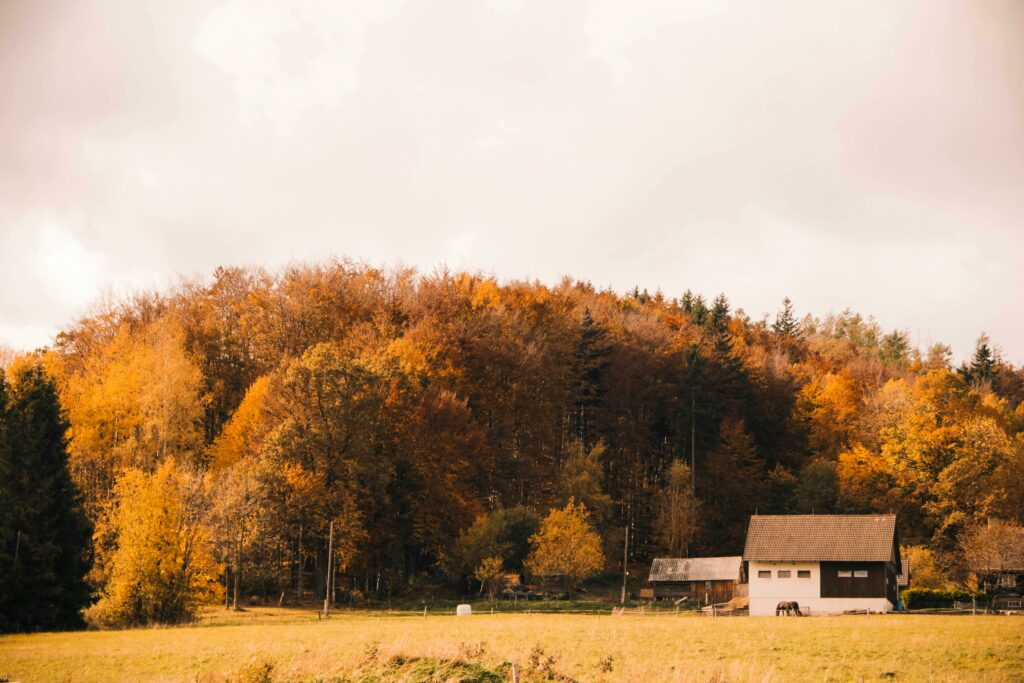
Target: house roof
[[1001, 552], [903, 580], [696, 569], [822, 538]]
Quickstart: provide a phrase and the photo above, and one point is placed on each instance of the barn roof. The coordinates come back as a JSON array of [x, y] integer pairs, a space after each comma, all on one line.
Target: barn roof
[[823, 538], [696, 569]]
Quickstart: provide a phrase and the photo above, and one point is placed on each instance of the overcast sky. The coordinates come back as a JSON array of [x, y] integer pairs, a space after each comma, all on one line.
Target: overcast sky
[[847, 154]]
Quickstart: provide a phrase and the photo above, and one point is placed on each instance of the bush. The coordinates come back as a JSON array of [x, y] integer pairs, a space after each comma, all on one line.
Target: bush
[[926, 598], [256, 671]]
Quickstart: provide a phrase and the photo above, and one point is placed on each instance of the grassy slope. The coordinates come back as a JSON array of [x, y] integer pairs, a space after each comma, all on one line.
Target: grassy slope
[[643, 648]]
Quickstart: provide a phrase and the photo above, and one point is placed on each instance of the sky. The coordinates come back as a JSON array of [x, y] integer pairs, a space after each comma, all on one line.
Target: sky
[[865, 154]]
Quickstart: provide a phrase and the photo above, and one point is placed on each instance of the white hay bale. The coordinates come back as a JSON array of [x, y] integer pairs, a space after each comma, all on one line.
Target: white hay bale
[[463, 610]]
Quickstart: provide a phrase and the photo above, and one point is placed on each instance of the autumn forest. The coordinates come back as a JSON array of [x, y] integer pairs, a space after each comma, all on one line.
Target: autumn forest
[[214, 433]]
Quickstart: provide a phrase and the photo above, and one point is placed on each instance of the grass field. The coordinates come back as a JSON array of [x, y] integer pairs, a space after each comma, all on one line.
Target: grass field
[[651, 648]]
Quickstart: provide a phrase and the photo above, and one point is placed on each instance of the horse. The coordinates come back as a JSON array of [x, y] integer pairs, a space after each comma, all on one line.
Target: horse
[[789, 608]]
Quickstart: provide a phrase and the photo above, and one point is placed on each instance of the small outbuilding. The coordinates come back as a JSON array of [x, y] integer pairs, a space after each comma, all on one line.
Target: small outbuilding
[[703, 580], [903, 580]]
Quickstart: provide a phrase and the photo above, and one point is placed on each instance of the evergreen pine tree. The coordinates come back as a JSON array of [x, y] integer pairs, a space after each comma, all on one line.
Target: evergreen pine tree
[[687, 302], [590, 358], [44, 535], [730, 376], [9, 536], [786, 324], [700, 310], [983, 365], [895, 348]]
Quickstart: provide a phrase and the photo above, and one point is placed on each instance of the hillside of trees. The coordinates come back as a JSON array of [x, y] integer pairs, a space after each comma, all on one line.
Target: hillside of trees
[[217, 429]]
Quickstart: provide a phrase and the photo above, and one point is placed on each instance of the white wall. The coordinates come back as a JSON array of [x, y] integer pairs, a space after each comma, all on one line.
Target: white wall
[[792, 588], [766, 593]]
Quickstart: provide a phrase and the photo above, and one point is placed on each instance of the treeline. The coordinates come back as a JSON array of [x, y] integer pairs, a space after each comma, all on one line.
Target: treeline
[[421, 413]]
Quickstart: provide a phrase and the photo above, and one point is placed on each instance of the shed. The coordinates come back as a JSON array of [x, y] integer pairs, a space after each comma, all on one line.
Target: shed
[[903, 580], [701, 579]]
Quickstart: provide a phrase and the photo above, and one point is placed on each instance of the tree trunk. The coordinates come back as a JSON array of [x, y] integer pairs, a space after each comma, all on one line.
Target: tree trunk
[[300, 579], [320, 560], [238, 573]]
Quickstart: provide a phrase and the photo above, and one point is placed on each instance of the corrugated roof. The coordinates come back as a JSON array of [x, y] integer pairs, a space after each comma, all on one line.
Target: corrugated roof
[[696, 569], [827, 538]]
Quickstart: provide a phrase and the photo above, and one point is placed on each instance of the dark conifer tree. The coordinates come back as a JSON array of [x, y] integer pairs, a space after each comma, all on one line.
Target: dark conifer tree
[[699, 310], [733, 486], [729, 375], [786, 324], [895, 348], [45, 541], [686, 302], [983, 365], [590, 359], [9, 534]]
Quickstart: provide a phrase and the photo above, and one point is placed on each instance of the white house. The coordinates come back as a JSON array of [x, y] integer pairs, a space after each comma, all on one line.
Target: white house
[[828, 564]]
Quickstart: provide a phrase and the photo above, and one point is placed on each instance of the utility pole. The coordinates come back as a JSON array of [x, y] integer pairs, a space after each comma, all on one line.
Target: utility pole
[[330, 557], [625, 565]]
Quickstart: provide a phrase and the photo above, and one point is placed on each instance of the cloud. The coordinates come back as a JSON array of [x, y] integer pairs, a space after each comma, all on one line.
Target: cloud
[[64, 267], [285, 59], [862, 154], [613, 27], [53, 272]]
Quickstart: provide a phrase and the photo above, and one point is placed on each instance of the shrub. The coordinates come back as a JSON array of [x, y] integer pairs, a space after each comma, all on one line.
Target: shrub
[[256, 671], [925, 598]]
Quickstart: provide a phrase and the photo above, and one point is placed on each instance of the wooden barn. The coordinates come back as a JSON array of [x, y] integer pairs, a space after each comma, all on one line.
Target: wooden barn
[[703, 580]]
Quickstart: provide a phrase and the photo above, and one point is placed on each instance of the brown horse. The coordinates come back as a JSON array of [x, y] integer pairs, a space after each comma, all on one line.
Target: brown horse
[[789, 608]]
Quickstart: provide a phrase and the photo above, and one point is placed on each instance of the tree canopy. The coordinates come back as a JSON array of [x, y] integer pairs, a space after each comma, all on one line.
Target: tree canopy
[[434, 418]]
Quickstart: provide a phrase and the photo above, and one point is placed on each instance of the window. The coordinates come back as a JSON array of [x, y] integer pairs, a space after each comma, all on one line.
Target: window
[[860, 574], [844, 573], [1007, 580], [783, 573], [764, 574], [1013, 603], [803, 573]]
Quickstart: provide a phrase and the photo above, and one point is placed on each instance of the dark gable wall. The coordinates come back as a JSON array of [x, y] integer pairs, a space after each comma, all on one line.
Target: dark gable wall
[[874, 586]]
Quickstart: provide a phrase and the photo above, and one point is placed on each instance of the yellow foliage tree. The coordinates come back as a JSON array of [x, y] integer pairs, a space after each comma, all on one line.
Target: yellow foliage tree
[[134, 401], [566, 545], [155, 550], [925, 571], [243, 434], [490, 574], [865, 481], [828, 407]]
